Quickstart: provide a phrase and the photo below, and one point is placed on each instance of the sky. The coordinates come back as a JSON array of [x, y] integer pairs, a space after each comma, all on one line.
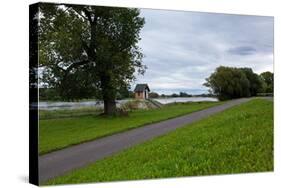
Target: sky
[[183, 48]]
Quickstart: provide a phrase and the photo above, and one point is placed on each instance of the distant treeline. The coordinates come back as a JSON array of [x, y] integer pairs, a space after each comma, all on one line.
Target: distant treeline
[[231, 82]]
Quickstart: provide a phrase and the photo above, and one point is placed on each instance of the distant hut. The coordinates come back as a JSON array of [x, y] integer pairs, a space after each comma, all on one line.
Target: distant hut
[[141, 91]]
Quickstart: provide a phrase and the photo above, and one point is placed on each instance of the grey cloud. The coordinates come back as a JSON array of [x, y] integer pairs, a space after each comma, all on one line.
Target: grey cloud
[[243, 50]]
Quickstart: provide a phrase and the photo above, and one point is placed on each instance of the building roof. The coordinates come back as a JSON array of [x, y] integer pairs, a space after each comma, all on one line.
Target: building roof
[[141, 87]]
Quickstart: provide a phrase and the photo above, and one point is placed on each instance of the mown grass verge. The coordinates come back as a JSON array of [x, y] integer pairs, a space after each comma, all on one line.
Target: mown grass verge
[[238, 140], [59, 133]]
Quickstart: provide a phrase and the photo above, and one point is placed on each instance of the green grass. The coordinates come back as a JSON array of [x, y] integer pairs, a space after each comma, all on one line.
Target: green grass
[[59, 133], [238, 140]]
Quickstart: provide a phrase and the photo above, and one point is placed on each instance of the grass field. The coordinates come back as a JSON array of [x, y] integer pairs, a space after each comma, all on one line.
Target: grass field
[[238, 140], [57, 133]]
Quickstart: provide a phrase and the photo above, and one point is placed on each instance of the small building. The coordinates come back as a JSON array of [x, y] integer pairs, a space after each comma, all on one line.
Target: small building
[[141, 91]]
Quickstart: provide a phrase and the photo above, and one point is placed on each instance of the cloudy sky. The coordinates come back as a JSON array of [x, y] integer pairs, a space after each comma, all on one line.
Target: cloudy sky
[[183, 48]]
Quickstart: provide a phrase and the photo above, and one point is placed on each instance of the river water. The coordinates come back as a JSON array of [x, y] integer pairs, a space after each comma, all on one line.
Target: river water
[[185, 99], [99, 104]]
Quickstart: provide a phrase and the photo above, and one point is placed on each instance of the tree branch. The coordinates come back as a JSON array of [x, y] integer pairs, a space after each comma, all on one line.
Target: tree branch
[[85, 46], [88, 14], [79, 13], [75, 65], [57, 66]]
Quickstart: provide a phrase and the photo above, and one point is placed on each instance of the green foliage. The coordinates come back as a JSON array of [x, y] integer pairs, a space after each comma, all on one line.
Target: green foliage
[[62, 132], [255, 81], [124, 93], [267, 78], [88, 51], [238, 140], [174, 95], [153, 95], [183, 94], [230, 82], [48, 94]]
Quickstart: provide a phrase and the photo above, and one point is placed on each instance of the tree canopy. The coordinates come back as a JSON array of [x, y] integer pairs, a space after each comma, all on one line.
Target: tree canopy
[[153, 95], [267, 78], [89, 51], [231, 82]]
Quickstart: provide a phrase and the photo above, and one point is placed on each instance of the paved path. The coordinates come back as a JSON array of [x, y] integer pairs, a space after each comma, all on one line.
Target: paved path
[[57, 163]]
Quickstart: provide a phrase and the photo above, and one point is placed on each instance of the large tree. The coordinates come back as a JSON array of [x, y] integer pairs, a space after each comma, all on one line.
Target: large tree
[[267, 78], [256, 84], [228, 83], [231, 82], [89, 50]]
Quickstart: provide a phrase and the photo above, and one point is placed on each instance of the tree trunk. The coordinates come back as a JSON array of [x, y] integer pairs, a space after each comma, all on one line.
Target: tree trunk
[[109, 107], [109, 94]]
